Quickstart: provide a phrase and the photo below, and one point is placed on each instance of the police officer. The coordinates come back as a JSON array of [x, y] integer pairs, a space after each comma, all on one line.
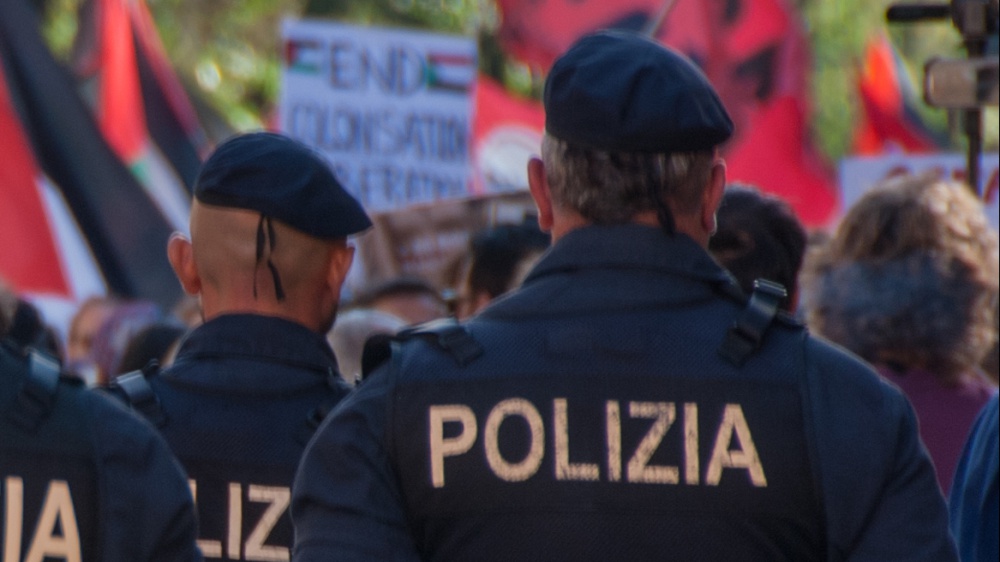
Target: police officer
[[80, 477], [267, 256], [625, 403], [974, 503]]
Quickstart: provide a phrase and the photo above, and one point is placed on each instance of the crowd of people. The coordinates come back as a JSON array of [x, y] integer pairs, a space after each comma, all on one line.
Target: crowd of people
[[661, 364]]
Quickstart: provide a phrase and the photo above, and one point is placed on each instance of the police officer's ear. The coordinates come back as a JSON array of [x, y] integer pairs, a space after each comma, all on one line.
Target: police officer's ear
[[539, 186], [181, 256], [341, 258], [712, 196]]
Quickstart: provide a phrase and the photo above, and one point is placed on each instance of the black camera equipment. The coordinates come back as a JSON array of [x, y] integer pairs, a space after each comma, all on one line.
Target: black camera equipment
[[966, 84]]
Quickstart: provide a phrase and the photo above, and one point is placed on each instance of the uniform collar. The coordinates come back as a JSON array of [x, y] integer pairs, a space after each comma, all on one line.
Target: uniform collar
[[260, 337], [628, 246], [612, 269]]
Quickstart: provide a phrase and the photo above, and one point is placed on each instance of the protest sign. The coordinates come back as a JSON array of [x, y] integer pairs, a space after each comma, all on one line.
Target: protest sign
[[390, 109], [859, 174]]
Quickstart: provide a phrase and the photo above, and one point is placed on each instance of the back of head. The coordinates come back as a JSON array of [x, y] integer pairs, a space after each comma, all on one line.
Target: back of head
[[154, 342], [758, 237], [268, 212], [497, 255], [910, 278], [631, 126]]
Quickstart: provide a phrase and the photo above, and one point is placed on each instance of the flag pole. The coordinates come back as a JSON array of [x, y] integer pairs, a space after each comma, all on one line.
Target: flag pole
[[652, 28]]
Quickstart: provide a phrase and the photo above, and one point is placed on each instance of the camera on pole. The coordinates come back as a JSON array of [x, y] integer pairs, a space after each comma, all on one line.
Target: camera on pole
[[967, 84]]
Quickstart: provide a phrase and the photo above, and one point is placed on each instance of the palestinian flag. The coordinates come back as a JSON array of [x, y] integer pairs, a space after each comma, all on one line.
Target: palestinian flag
[[304, 56], [29, 260], [452, 72], [57, 166], [140, 104]]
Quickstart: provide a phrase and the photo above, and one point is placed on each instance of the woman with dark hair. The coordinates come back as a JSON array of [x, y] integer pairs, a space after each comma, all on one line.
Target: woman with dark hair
[[909, 282], [154, 342]]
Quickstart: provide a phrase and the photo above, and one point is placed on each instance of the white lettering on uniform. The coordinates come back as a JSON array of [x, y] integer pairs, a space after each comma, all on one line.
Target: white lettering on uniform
[[235, 521], [566, 470], [441, 447], [520, 471], [57, 509], [13, 516], [210, 548], [613, 433], [638, 469], [691, 443], [277, 498], [746, 457]]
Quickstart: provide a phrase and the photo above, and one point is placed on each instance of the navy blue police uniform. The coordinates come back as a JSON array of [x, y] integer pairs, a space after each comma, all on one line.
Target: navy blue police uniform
[[246, 391], [974, 503], [83, 478], [626, 403]]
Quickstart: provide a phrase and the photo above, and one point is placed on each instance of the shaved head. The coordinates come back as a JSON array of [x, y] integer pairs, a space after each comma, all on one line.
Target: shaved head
[[224, 269]]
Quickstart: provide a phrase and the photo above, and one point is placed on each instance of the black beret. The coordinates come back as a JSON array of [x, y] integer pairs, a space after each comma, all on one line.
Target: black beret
[[620, 91], [283, 179]]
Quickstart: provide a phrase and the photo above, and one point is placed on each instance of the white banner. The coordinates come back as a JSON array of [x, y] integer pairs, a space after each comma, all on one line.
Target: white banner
[[389, 108], [859, 174]]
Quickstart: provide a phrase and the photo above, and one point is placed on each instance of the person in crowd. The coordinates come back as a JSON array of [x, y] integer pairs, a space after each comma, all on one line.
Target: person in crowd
[[411, 298], [499, 259], [759, 237], [112, 338], [80, 477], [975, 494], [156, 342], [83, 329], [349, 334], [28, 329], [626, 403], [267, 257], [908, 282]]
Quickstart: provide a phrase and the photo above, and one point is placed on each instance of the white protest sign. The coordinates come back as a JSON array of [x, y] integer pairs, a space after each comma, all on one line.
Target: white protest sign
[[390, 109], [859, 174]]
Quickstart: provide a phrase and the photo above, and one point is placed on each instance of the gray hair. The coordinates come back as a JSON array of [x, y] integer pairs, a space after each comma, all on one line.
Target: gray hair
[[612, 187]]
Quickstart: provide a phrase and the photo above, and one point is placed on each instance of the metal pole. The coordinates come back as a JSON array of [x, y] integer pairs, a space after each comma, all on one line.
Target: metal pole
[[653, 27]]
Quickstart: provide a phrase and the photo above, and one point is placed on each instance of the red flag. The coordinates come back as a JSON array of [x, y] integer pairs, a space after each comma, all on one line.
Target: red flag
[[754, 52], [536, 32], [28, 259], [889, 121], [506, 132], [120, 108]]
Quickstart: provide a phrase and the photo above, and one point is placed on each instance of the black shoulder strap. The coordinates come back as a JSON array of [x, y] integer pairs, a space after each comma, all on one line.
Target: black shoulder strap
[[747, 332], [139, 393], [450, 336], [319, 413], [447, 334], [38, 392]]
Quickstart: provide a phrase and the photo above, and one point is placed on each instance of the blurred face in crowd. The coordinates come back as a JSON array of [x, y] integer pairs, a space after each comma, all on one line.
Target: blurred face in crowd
[[88, 320]]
